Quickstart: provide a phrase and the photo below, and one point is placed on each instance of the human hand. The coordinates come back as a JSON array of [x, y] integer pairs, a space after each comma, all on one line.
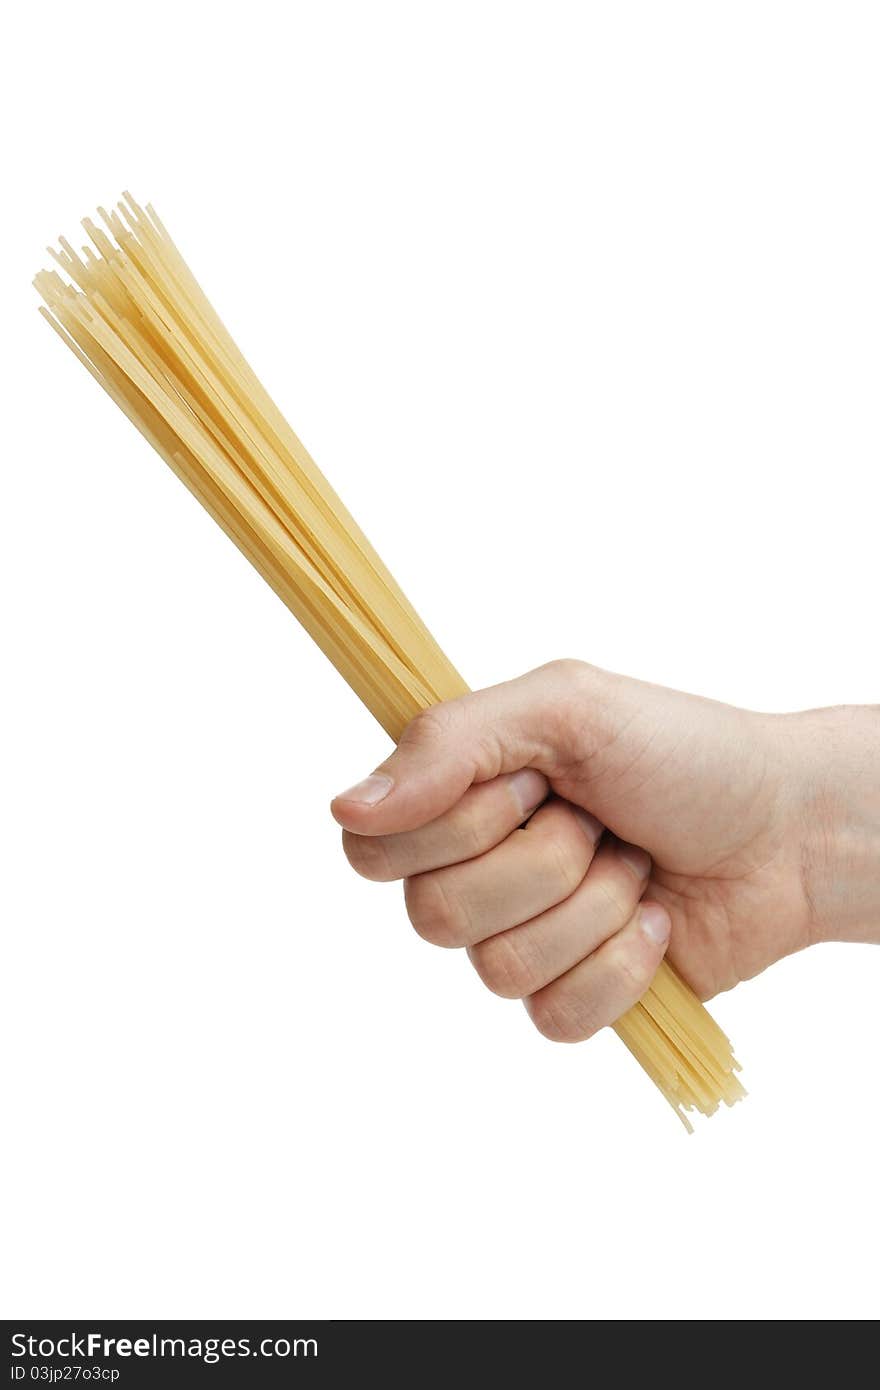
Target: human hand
[[656, 822]]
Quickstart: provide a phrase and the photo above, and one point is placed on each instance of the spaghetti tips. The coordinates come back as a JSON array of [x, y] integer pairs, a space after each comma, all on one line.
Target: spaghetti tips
[[133, 313]]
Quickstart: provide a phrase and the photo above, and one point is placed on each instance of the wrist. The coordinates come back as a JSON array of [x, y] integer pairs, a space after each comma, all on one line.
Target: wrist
[[837, 754]]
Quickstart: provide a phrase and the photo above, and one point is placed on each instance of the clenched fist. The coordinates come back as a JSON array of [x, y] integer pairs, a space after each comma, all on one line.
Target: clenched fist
[[571, 827]]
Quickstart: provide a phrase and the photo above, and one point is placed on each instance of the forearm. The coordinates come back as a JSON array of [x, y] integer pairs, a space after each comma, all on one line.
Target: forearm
[[838, 753]]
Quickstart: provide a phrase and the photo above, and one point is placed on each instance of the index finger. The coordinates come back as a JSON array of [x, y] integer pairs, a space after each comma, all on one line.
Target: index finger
[[480, 820]]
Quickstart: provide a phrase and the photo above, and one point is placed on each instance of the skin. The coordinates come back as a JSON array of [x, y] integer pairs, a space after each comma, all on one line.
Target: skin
[[571, 827]]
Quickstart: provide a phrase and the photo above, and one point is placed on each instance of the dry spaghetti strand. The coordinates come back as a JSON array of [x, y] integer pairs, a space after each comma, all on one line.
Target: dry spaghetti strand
[[133, 313]]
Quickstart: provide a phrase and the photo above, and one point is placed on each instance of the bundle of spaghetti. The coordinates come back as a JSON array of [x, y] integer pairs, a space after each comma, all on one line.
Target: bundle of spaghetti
[[133, 313]]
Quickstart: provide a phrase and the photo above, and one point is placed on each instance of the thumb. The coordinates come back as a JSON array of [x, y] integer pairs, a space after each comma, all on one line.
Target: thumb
[[455, 744]]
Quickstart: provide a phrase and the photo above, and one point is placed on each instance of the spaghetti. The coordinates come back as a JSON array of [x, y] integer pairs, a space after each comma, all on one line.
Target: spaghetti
[[135, 316]]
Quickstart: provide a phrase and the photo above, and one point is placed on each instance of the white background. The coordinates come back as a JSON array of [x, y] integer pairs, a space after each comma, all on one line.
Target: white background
[[578, 307]]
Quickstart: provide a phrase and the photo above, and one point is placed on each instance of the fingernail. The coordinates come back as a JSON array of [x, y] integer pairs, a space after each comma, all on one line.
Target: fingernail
[[591, 827], [635, 859], [370, 791], [529, 788], [655, 922]]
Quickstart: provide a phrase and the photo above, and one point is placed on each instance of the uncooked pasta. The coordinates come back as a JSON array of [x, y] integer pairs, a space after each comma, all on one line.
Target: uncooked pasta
[[133, 313]]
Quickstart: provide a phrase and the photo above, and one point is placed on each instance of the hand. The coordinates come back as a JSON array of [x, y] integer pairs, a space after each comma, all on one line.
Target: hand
[[655, 822]]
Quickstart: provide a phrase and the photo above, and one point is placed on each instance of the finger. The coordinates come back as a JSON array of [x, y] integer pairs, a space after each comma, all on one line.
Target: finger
[[484, 816], [530, 871], [472, 739], [601, 988], [524, 959]]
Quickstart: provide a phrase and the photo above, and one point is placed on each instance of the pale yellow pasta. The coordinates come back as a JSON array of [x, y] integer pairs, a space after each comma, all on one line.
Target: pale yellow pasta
[[134, 315]]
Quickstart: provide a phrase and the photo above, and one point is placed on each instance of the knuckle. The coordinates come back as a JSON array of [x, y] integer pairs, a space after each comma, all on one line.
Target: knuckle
[[636, 971], [568, 860], [614, 899], [555, 1019], [572, 682], [436, 918], [570, 677], [567, 667], [367, 855], [467, 831], [429, 728], [503, 967]]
